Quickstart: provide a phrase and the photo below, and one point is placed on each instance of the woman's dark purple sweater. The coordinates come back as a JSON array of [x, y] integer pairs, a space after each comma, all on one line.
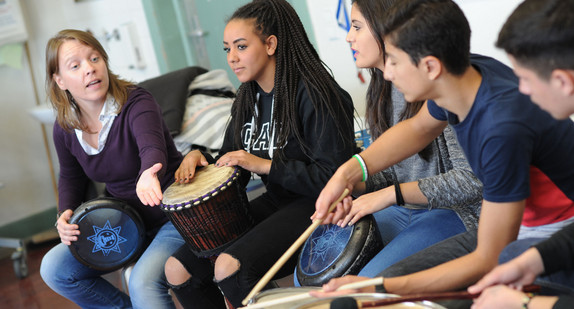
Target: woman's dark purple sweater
[[138, 139]]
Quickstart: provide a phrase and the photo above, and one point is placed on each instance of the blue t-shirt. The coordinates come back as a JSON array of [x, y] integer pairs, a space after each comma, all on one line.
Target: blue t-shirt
[[504, 133]]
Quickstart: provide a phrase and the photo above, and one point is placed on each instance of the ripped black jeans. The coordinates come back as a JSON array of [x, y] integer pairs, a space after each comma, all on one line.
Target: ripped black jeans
[[280, 223]]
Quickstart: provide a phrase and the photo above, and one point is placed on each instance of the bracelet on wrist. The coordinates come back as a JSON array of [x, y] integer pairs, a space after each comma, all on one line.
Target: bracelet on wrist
[[526, 300], [399, 194], [363, 166]]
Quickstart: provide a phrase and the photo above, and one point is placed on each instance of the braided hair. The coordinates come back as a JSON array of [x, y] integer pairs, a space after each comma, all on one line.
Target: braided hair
[[296, 59]]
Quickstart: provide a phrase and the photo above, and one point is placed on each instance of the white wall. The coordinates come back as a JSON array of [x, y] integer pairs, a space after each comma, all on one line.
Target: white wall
[[485, 17], [24, 167], [335, 51], [24, 172]]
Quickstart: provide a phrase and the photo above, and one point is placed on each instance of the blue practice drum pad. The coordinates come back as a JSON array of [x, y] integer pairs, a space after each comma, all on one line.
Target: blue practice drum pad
[[332, 251], [112, 234]]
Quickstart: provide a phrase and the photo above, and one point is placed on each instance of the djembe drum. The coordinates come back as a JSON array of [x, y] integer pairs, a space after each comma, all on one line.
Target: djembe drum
[[112, 234], [211, 211]]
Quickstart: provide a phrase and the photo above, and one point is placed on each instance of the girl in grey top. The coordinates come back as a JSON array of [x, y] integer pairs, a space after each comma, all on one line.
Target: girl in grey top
[[424, 199]]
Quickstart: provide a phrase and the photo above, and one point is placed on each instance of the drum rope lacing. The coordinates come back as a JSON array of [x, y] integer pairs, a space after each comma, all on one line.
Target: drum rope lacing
[[202, 198]]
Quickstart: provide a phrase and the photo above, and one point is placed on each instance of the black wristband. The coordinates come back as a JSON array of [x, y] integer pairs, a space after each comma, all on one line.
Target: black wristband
[[399, 194], [380, 288]]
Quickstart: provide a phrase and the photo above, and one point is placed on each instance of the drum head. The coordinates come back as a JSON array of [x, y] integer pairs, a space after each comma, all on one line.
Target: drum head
[[325, 246], [332, 251], [208, 181], [111, 234]]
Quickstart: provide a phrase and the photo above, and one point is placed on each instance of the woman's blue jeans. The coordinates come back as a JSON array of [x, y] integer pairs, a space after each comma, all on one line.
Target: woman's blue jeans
[[407, 231], [85, 286]]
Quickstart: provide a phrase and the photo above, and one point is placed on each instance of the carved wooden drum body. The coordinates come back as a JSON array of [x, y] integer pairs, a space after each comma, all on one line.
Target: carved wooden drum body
[[211, 211]]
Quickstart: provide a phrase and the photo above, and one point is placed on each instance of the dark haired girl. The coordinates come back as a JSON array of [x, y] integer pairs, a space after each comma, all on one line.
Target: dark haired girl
[[292, 125], [438, 196]]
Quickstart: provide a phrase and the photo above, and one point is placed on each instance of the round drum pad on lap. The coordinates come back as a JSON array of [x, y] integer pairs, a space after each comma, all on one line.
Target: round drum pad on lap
[[332, 251], [112, 234]]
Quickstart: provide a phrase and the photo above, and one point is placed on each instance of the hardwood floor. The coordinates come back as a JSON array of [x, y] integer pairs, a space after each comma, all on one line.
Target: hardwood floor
[[31, 292]]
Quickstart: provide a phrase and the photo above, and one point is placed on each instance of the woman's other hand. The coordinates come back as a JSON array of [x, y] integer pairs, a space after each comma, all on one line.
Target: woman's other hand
[[148, 187], [67, 232]]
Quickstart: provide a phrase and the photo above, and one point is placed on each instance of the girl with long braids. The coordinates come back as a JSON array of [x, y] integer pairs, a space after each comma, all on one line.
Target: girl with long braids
[[424, 199], [292, 125]]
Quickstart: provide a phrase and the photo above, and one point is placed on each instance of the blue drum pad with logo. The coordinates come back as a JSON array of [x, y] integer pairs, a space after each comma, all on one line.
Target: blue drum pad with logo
[[332, 251], [111, 234]]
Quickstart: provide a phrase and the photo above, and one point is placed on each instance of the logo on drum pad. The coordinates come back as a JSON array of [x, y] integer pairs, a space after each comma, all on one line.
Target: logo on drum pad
[[325, 241], [107, 239]]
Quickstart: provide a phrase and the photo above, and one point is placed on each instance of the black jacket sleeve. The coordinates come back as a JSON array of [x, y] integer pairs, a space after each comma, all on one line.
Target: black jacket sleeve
[[329, 142], [564, 302], [558, 251], [227, 146]]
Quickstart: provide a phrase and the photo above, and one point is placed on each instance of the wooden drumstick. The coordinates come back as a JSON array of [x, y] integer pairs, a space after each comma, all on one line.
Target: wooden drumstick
[[283, 259], [431, 297], [302, 296]]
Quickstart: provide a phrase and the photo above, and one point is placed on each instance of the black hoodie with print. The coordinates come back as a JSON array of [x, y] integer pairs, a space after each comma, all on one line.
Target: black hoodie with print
[[299, 171]]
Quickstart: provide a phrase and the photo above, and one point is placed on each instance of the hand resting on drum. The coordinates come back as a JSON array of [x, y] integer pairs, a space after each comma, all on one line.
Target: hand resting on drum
[[330, 288], [245, 160], [186, 169], [240, 158], [148, 188], [367, 204], [67, 232]]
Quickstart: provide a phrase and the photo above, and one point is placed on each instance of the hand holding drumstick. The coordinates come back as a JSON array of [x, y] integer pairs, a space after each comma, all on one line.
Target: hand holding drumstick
[[344, 288], [283, 259], [345, 178], [340, 286]]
